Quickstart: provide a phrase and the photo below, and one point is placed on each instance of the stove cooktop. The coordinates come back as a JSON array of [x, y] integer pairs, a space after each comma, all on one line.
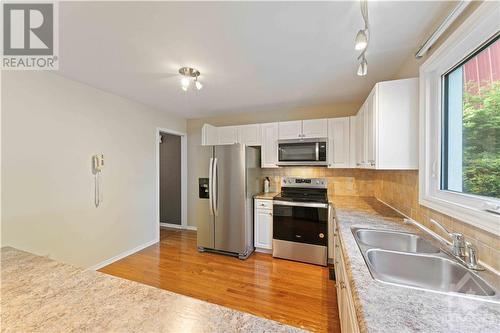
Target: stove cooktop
[[302, 198]]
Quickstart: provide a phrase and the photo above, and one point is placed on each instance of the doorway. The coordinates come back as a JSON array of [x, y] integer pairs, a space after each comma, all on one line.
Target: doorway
[[172, 175]]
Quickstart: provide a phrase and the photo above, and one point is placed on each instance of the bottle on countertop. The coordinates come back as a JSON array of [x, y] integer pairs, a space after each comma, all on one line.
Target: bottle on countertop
[[267, 184]]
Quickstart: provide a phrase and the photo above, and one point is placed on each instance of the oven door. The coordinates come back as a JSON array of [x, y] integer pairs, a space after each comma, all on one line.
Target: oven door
[[302, 152], [300, 222]]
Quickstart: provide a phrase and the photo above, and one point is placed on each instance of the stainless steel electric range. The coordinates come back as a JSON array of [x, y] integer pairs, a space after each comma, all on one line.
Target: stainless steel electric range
[[300, 220]]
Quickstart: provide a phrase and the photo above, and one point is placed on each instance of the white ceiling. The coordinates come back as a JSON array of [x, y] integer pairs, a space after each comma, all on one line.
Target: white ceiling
[[250, 54]]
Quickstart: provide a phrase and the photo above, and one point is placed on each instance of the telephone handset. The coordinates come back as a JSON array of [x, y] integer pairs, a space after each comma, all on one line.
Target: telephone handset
[[97, 166], [98, 162]]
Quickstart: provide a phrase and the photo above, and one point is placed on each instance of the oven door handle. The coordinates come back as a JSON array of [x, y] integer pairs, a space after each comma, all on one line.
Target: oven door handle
[[300, 204]]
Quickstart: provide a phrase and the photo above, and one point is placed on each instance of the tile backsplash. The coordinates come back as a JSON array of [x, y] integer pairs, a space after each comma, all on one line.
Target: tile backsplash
[[355, 182], [398, 189]]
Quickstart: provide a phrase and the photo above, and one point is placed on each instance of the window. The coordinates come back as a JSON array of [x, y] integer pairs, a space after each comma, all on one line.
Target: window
[[459, 170], [471, 124]]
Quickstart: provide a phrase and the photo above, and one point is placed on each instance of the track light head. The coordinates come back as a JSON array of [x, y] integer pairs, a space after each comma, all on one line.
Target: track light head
[[363, 67], [361, 40]]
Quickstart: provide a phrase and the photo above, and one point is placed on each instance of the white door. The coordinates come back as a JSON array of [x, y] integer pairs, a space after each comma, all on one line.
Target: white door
[[315, 128], [290, 130], [249, 135], [370, 140], [338, 142], [263, 228], [269, 141], [208, 135], [227, 135]]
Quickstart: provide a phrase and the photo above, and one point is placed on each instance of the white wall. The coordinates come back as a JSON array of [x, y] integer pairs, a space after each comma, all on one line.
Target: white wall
[[51, 126]]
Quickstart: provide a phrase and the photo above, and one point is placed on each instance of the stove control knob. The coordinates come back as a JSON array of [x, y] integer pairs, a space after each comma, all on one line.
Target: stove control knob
[[321, 235], [317, 182]]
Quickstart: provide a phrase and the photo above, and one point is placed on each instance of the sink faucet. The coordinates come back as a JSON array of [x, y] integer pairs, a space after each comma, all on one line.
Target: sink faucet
[[458, 240], [460, 246]]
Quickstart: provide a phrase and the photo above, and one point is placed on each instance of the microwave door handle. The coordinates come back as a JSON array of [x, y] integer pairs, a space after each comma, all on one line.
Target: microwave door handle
[[317, 151], [210, 186]]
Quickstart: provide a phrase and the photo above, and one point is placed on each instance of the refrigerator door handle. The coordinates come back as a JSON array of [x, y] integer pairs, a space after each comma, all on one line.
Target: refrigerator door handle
[[215, 189], [210, 186]]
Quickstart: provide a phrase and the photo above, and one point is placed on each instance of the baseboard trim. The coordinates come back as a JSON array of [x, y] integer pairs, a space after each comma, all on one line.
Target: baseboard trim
[[173, 226], [122, 255], [178, 226]]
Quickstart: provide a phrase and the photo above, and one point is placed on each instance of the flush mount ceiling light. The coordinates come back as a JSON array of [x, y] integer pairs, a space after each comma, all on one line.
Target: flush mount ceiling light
[[361, 40], [189, 74]]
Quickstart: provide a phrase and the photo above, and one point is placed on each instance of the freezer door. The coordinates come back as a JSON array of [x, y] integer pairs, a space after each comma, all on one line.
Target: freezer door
[[229, 200], [204, 212]]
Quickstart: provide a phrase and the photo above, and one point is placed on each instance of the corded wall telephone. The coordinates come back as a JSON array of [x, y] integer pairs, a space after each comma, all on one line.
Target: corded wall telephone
[[98, 162], [97, 165]]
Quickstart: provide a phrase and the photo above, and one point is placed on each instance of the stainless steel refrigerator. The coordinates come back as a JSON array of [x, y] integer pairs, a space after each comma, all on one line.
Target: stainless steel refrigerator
[[233, 180]]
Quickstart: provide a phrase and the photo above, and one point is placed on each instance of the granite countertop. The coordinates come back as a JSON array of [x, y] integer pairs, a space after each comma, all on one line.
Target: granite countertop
[[43, 295], [265, 196], [386, 308]]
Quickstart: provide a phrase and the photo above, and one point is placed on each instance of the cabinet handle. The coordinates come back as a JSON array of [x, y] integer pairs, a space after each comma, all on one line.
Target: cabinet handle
[[342, 285], [271, 214]]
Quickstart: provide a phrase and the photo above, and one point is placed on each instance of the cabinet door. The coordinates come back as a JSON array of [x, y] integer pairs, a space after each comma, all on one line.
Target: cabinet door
[[227, 135], [208, 135], [269, 141], [315, 128], [370, 140], [290, 130], [360, 137], [263, 228], [352, 141], [249, 135], [338, 142]]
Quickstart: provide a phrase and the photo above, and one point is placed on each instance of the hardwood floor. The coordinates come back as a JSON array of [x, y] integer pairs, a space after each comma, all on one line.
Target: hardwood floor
[[294, 293]]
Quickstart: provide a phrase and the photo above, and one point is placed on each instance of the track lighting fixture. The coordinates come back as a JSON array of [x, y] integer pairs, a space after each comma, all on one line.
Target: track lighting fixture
[[189, 74], [363, 66], [361, 40]]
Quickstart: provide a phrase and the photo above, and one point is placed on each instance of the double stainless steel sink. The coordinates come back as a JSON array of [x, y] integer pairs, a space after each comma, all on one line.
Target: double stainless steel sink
[[409, 260]]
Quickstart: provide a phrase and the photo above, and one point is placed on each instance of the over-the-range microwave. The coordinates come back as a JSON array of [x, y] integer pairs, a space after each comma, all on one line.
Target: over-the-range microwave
[[303, 152]]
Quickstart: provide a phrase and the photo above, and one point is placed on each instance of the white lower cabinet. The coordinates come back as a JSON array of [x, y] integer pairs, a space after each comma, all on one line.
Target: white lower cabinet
[[263, 225], [347, 312]]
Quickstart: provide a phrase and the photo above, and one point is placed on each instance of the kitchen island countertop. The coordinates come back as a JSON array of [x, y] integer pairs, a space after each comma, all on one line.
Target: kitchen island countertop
[[43, 295]]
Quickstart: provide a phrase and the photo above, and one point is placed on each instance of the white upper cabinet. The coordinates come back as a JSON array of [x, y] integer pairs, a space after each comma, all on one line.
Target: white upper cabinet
[[208, 135], [352, 141], [227, 135], [249, 134], [387, 125], [290, 130], [301, 129], [269, 141], [360, 136], [338, 143], [315, 128]]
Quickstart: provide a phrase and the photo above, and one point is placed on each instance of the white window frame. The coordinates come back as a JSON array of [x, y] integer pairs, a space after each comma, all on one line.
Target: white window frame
[[481, 25]]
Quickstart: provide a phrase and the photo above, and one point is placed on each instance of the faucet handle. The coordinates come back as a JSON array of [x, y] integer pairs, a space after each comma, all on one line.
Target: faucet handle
[[472, 256]]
